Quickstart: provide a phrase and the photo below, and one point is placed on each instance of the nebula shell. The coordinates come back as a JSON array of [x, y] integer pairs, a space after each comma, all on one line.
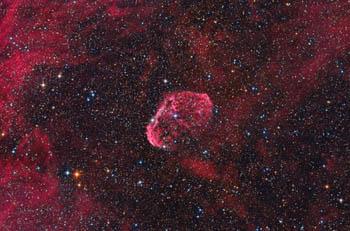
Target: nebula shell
[[181, 117]]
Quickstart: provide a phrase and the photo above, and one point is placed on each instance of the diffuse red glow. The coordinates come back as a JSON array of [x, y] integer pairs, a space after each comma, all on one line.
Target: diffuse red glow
[[275, 58], [32, 34], [181, 116]]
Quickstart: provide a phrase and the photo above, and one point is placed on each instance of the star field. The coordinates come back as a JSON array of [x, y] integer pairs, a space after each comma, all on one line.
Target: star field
[[174, 115]]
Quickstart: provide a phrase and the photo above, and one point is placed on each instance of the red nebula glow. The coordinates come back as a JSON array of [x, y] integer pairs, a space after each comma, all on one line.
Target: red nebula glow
[[35, 33], [182, 115], [277, 71], [200, 168]]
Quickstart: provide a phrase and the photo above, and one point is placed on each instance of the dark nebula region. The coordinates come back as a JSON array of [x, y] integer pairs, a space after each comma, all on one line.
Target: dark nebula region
[[174, 115]]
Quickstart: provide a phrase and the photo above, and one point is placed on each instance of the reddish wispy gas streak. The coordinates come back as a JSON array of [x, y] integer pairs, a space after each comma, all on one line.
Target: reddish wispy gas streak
[[42, 33], [34, 33]]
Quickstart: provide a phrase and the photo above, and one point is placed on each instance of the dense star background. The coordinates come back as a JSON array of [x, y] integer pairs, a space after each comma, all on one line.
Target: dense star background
[[81, 80]]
